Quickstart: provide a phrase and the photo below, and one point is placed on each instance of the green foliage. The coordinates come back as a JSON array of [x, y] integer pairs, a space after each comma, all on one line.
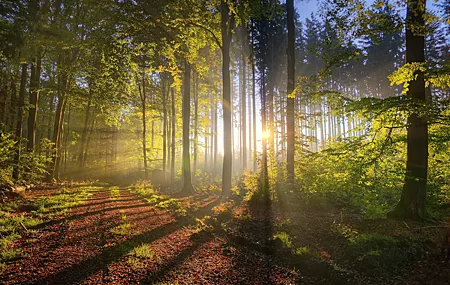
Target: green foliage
[[144, 250], [115, 193], [302, 251], [172, 205], [284, 238], [31, 167], [60, 203]]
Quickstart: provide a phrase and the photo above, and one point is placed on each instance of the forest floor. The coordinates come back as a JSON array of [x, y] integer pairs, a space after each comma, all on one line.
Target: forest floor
[[107, 235]]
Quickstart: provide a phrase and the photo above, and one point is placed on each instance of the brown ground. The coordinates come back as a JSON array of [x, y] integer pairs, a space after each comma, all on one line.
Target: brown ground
[[80, 248]]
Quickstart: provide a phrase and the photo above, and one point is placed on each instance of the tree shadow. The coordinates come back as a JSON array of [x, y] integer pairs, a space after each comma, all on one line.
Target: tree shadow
[[177, 261], [81, 271], [83, 215]]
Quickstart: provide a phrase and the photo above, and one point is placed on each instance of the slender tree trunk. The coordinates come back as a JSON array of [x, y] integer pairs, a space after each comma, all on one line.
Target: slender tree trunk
[[59, 119], [86, 149], [20, 114], [13, 103], [34, 99], [244, 102], [66, 138], [3, 98], [264, 170], [164, 96], [195, 124], [215, 138], [227, 24], [412, 202], [186, 161], [143, 96], [172, 163], [255, 162], [84, 132]]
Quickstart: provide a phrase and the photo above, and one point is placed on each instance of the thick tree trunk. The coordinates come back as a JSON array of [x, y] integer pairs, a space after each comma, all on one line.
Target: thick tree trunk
[[186, 161], [412, 202], [20, 114], [226, 29]]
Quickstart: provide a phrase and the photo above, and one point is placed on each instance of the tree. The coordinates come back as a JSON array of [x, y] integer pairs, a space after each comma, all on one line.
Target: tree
[[412, 202], [186, 163], [290, 115], [227, 25]]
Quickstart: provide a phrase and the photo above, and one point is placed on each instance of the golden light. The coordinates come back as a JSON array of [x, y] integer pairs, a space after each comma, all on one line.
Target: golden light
[[265, 134]]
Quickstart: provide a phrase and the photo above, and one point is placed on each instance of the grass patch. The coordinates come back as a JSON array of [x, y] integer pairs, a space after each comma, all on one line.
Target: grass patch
[[172, 205], [60, 203], [302, 251], [123, 228], [284, 238], [142, 189], [115, 193], [9, 254], [144, 250]]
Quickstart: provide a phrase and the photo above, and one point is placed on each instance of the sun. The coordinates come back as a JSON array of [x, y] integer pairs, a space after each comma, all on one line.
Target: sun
[[265, 134]]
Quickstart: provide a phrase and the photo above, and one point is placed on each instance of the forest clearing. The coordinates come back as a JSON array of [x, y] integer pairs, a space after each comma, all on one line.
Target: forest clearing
[[224, 142]]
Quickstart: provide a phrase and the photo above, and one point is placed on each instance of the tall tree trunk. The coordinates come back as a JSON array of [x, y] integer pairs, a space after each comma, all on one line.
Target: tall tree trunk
[[143, 96], [255, 162], [34, 99], [243, 101], [91, 130], [84, 132], [13, 102], [264, 170], [215, 138], [20, 114], [66, 138], [172, 163], [412, 202], [195, 123], [3, 97], [186, 161], [227, 24], [164, 96], [59, 119]]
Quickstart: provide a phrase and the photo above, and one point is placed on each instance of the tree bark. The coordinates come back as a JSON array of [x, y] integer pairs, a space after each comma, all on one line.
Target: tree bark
[[164, 96], [143, 96], [20, 114], [172, 163], [186, 160], [195, 124], [255, 162], [244, 102], [84, 132], [34, 99], [227, 24]]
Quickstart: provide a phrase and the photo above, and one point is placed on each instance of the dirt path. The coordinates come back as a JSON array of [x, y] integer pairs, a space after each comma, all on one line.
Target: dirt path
[[118, 238]]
